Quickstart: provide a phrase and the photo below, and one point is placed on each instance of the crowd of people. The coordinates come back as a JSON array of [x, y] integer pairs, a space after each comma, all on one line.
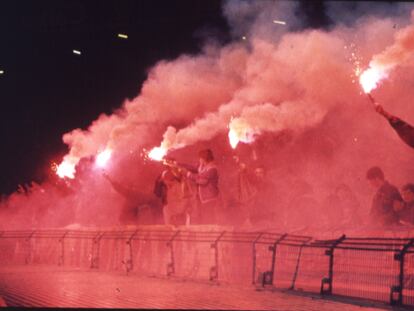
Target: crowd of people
[[389, 205], [250, 196], [191, 195]]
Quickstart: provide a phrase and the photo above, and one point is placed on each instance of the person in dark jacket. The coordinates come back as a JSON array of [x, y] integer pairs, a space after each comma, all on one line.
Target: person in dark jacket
[[404, 130], [138, 207], [384, 200]]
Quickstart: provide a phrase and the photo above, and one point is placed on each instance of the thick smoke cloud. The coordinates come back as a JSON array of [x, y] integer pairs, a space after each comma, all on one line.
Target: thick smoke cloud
[[315, 132], [399, 52]]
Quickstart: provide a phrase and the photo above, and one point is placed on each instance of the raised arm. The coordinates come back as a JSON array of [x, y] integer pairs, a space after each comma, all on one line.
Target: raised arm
[[185, 166], [403, 129]]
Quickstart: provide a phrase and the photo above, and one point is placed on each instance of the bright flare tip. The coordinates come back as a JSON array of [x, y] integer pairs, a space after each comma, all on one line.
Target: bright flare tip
[[370, 78], [103, 158], [66, 169], [233, 139], [157, 153]]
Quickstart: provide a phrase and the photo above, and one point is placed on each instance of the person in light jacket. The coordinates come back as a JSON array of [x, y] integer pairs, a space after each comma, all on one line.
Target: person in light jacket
[[206, 178]]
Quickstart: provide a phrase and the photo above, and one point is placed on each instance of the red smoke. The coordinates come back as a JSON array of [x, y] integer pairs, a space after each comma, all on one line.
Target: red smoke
[[315, 131]]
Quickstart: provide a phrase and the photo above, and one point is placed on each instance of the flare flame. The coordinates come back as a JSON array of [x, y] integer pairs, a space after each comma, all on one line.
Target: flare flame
[[103, 158], [370, 78], [157, 153]]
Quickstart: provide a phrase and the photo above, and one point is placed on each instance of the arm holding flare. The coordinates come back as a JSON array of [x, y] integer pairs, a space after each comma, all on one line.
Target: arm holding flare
[[403, 129], [183, 167]]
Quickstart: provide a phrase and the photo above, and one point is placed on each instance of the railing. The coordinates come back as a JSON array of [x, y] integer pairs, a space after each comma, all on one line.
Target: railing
[[379, 269]]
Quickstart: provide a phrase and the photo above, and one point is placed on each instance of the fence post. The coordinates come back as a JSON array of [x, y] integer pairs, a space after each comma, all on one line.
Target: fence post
[[214, 269], [27, 259], [400, 287], [254, 256], [95, 259], [329, 279], [129, 263], [267, 278], [295, 275], [61, 260], [171, 264]]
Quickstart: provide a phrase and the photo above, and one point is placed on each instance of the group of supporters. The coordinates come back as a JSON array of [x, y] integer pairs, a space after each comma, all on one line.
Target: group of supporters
[[389, 205], [188, 194]]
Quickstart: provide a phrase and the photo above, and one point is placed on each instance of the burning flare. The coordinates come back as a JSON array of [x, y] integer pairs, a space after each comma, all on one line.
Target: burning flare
[[103, 157], [240, 131], [66, 169], [370, 78], [157, 153], [234, 140]]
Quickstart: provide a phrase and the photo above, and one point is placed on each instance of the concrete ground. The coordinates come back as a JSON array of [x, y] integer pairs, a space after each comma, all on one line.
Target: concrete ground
[[40, 286]]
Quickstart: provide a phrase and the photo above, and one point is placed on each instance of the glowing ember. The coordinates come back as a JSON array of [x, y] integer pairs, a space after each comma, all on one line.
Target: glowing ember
[[66, 169], [157, 153], [370, 78], [103, 157]]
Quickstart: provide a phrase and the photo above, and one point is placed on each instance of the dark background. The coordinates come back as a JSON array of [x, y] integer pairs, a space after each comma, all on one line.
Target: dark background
[[47, 90]]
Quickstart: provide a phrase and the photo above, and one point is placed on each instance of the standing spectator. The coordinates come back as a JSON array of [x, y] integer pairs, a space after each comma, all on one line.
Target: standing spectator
[[206, 178], [387, 195], [177, 199], [246, 191], [405, 210]]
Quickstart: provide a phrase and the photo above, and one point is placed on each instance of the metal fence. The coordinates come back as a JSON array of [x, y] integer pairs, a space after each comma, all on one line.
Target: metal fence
[[380, 269]]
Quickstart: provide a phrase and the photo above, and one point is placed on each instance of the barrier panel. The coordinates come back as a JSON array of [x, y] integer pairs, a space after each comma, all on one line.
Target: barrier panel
[[408, 290], [380, 269]]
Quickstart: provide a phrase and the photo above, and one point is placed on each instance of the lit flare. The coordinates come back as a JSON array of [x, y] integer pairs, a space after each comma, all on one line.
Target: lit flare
[[157, 153], [240, 131], [233, 139], [103, 157], [66, 169], [370, 78]]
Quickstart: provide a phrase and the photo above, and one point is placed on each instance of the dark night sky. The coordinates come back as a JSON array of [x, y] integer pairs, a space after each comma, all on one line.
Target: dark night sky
[[47, 90]]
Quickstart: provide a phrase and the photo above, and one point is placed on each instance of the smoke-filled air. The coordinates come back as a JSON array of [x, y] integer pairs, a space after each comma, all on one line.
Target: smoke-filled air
[[283, 109]]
